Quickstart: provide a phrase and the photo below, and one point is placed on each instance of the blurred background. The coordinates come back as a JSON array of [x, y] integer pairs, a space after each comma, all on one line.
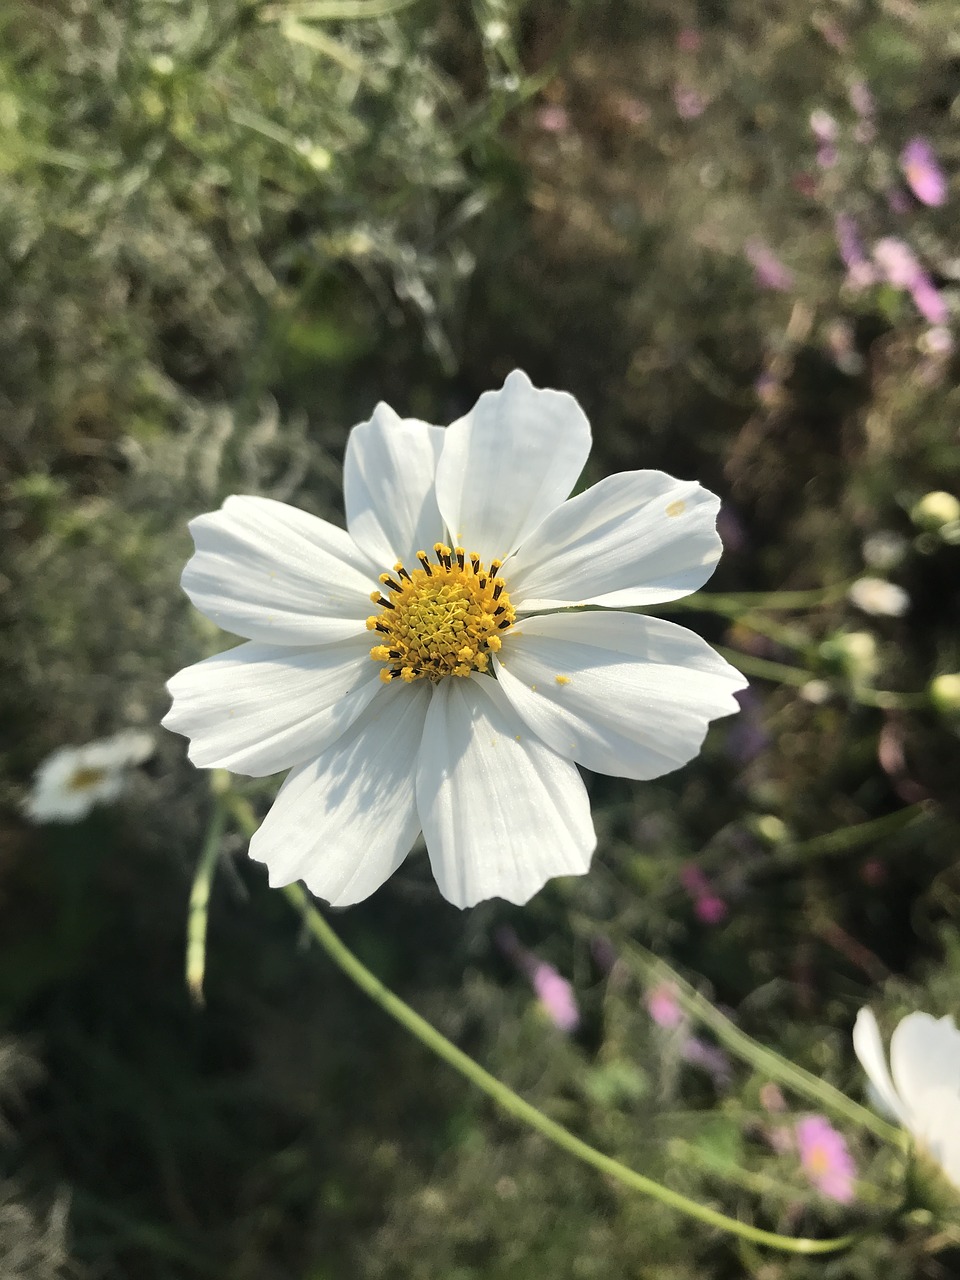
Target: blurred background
[[227, 230]]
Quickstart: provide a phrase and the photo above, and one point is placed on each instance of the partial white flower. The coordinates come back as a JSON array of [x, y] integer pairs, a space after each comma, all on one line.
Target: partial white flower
[[461, 705], [879, 597], [71, 781], [924, 1091]]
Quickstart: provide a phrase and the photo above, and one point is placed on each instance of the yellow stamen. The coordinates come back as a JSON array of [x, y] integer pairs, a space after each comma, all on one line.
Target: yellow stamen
[[83, 779], [441, 619]]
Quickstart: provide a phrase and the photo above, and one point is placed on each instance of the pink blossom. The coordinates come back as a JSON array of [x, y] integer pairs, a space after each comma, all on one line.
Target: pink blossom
[[690, 103], [689, 40], [922, 171], [928, 300], [769, 271], [827, 155], [664, 1007], [825, 1159], [897, 261], [553, 991], [823, 126], [708, 1058], [552, 118], [556, 995], [900, 267], [710, 909]]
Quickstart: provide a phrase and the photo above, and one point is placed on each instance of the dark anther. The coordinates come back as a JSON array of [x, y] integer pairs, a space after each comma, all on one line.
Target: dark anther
[[422, 557], [389, 582], [498, 588], [386, 603], [460, 556], [403, 574]]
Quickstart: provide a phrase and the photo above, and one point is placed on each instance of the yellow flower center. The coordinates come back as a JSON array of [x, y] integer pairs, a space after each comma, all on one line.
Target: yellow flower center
[[443, 619], [83, 779]]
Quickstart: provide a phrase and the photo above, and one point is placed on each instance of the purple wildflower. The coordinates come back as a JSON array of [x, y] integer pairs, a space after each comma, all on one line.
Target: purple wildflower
[[709, 1059], [553, 991], [899, 266], [827, 155], [708, 906], [922, 171], [552, 118], [556, 995], [897, 262], [689, 40], [823, 126], [664, 1007], [769, 271], [690, 103], [928, 300], [825, 1159]]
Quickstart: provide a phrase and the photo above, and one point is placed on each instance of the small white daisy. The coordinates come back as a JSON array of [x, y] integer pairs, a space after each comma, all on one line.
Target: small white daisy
[[924, 1091], [459, 706], [74, 779]]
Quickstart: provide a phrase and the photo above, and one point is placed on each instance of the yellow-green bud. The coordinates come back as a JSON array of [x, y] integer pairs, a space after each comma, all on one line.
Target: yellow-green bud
[[945, 693], [936, 509], [855, 652]]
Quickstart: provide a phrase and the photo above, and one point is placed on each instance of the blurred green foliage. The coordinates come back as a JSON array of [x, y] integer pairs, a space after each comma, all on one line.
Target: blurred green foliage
[[226, 231]]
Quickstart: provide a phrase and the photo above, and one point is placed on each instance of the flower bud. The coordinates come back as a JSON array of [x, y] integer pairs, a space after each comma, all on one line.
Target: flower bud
[[936, 509], [945, 693]]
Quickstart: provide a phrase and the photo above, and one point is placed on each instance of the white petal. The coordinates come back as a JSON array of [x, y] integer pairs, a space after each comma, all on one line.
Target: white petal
[[343, 823], [619, 693], [868, 1047], [636, 538], [501, 812], [270, 572], [508, 463], [388, 491], [937, 1126], [924, 1055], [260, 708]]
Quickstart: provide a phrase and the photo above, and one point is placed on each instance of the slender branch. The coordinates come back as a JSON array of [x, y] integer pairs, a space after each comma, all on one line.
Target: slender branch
[[196, 957], [654, 970], [516, 1106]]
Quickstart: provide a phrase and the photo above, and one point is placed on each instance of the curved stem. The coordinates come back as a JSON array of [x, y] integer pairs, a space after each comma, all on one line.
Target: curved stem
[[789, 1074], [196, 956], [516, 1106]]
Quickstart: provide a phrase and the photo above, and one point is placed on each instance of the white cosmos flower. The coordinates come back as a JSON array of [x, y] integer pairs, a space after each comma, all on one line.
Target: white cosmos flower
[[924, 1092], [74, 779], [466, 715]]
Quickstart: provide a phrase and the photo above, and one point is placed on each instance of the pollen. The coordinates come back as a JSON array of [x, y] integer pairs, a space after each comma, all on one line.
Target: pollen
[[443, 618], [84, 779], [677, 508], [562, 679]]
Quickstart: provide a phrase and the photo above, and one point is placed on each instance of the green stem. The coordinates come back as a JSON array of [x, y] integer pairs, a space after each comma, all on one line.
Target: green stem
[[654, 970], [196, 958], [779, 672], [846, 838], [516, 1106], [734, 604]]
